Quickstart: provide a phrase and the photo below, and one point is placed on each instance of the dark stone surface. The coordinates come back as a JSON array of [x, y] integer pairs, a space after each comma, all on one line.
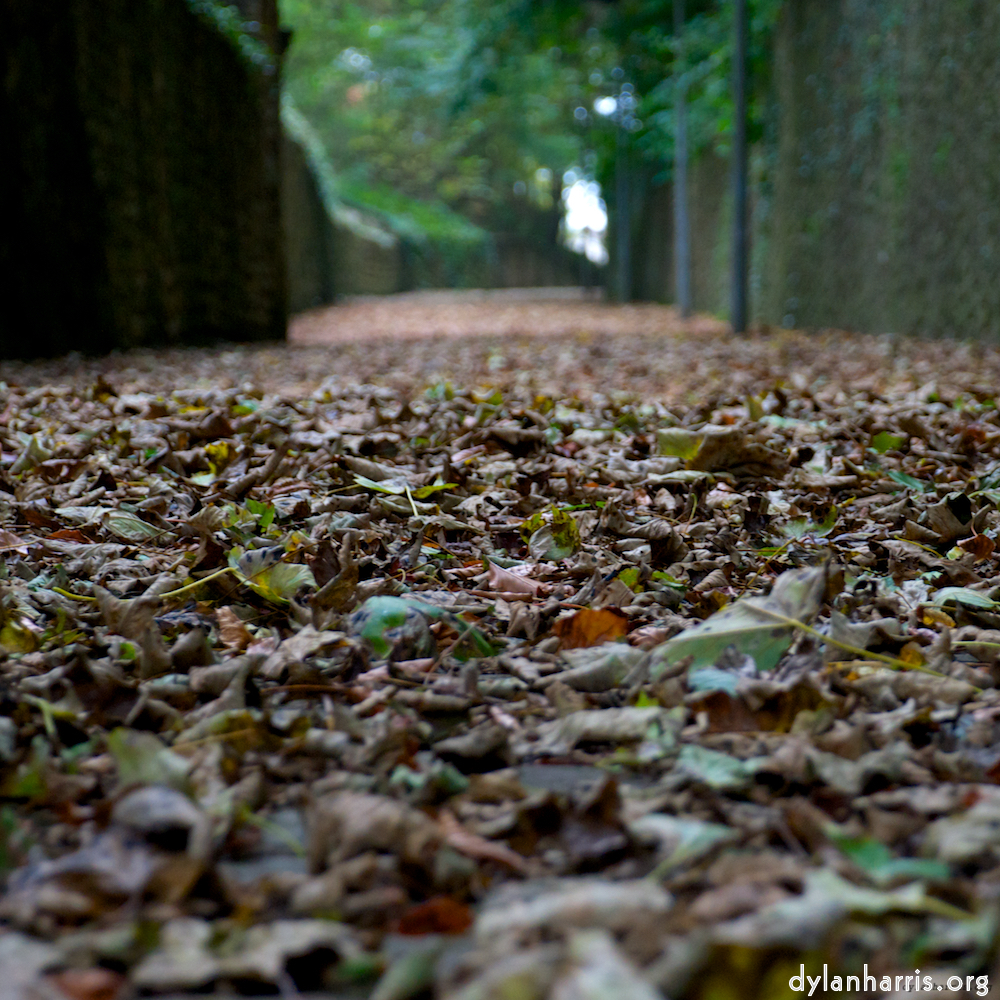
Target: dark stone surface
[[141, 203]]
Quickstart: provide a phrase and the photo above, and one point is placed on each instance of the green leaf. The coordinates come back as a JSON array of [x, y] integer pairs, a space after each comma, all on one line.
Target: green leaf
[[881, 865], [282, 582], [963, 595], [559, 539], [8, 847], [244, 407], [713, 679], [904, 480], [749, 625], [678, 442], [143, 759], [683, 839], [131, 528], [884, 441], [263, 572], [432, 488], [30, 780], [396, 486], [385, 612], [253, 562], [16, 637], [264, 512], [717, 770], [440, 391], [798, 527], [399, 485], [412, 972]]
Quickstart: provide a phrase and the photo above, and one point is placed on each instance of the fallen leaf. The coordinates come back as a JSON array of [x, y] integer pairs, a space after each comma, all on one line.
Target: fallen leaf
[[591, 628]]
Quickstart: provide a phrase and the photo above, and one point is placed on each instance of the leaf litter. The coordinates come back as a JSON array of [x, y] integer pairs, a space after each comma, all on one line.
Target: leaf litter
[[597, 663]]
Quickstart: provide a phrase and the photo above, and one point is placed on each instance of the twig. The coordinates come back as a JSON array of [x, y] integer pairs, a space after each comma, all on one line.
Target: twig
[[890, 661]]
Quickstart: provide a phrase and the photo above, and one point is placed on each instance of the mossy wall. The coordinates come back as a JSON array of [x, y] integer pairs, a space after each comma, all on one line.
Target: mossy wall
[[884, 211], [309, 233], [330, 254], [709, 200], [142, 202]]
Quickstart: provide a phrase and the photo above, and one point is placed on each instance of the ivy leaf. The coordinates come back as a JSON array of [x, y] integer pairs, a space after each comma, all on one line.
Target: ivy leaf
[[963, 595], [749, 625], [881, 865]]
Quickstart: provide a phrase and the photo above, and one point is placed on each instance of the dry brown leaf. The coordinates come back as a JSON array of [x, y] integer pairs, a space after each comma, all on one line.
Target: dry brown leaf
[[588, 627], [474, 846], [503, 581], [232, 630]]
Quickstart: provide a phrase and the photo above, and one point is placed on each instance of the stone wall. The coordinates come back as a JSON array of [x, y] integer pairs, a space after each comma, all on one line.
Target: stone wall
[[308, 231], [875, 200], [334, 249], [885, 213], [142, 205]]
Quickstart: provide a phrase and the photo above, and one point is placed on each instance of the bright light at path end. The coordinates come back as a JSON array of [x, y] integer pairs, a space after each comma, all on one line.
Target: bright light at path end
[[586, 219]]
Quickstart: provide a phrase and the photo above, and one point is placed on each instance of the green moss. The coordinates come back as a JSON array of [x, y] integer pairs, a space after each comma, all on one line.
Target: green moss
[[229, 21], [885, 200]]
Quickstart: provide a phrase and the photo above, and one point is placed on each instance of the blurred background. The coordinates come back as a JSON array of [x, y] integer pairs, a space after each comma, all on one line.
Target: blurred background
[[181, 171]]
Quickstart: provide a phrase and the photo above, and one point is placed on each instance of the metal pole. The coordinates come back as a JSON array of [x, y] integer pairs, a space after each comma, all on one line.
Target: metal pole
[[623, 229], [739, 297], [682, 225]]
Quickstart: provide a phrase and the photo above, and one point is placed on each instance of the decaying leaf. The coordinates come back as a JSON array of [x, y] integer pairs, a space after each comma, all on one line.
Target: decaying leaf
[[756, 626], [591, 628], [311, 658]]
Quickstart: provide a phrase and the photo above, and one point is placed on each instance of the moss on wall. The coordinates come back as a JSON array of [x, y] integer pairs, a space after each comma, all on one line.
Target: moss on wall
[[309, 233], [885, 212]]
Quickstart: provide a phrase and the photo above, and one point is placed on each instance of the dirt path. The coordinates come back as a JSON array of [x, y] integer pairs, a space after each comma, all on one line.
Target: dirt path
[[555, 342], [476, 313], [210, 752]]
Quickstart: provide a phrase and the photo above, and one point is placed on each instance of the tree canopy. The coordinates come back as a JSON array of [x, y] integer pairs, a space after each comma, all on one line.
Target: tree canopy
[[478, 108]]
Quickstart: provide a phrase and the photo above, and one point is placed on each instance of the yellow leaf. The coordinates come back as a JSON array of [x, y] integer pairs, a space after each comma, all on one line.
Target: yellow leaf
[[15, 638], [934, 616]]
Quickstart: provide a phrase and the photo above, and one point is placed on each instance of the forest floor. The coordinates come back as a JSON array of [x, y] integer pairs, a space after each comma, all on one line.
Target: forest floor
[[501, 645]]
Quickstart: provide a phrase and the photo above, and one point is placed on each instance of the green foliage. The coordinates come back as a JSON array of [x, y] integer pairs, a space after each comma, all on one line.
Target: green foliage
[[881, 865], [229, 21], [660, 66], [431, 109], [441, 113]]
